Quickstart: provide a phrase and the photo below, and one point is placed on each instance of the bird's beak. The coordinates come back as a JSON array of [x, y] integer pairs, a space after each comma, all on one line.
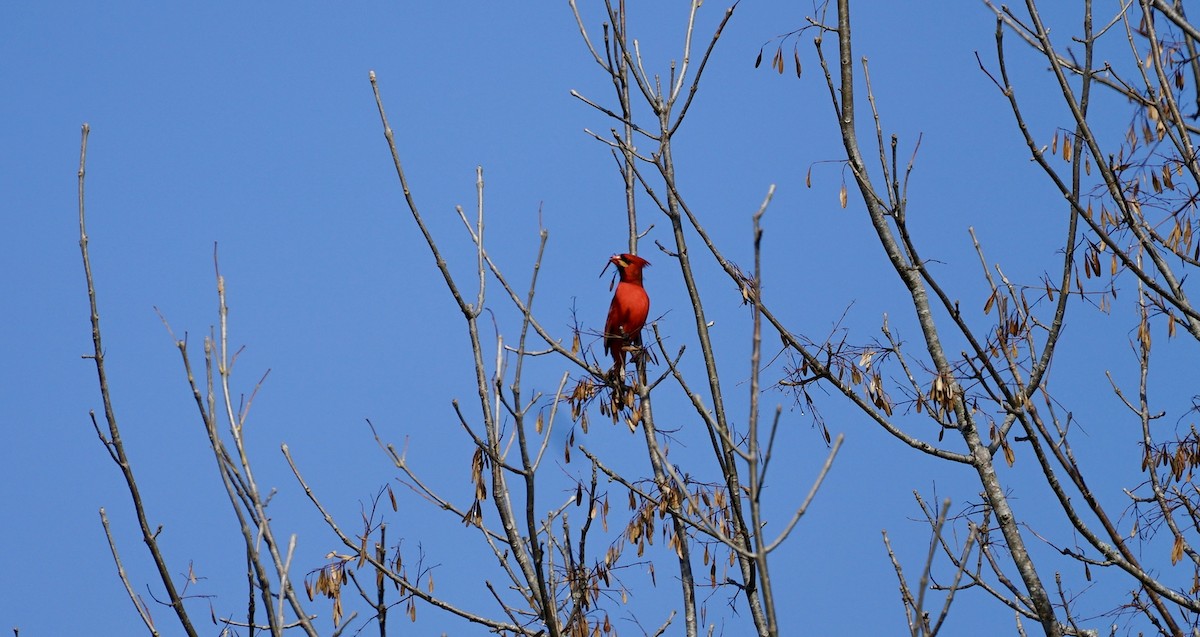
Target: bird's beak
[[614, 260]]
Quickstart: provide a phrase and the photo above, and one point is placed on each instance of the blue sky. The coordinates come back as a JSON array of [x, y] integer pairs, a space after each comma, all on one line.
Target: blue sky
[[253, 126]]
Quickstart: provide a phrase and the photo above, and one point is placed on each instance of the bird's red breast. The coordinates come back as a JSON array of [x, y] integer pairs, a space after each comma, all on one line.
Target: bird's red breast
[[629, 309]]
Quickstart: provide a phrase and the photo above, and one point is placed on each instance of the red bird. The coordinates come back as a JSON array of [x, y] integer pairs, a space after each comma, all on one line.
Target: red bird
[[630, 306]]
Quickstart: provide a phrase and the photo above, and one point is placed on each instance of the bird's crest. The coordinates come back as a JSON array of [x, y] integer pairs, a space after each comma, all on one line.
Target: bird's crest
[[623, 261]]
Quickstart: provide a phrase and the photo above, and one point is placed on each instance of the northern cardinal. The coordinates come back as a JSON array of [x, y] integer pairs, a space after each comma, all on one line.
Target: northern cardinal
[[630, 306]]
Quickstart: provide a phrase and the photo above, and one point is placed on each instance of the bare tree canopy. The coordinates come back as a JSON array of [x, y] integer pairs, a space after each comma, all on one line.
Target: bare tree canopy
[[915, 351]]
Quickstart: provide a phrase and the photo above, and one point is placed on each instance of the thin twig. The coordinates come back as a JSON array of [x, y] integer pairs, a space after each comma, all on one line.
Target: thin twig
[[115, 444]]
